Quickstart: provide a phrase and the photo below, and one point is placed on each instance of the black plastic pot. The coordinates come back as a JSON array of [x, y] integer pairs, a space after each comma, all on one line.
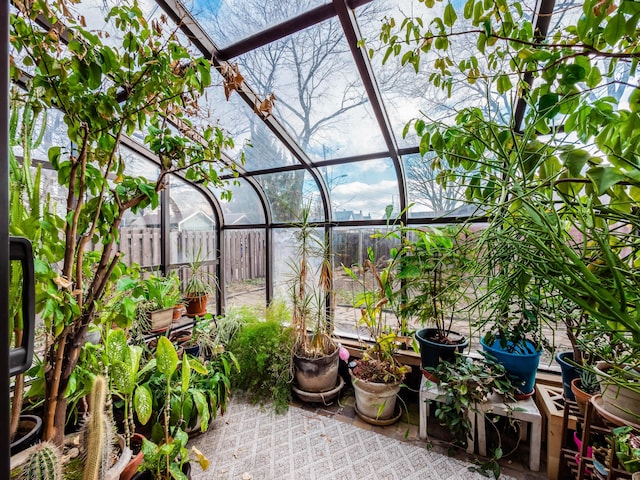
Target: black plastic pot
[[568, 371], [28, 434], [317, 374], [431, 352]]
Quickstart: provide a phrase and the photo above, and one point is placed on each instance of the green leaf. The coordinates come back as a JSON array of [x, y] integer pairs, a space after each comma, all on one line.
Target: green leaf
[[450, 16], [604, 177], [186, 373], [575, 160], [548, 105], [504, 84], [615, 29], [142, 402], [166, 357]]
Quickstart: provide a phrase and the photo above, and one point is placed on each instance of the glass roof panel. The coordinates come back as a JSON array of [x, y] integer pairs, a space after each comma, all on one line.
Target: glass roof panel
[[319, 97], [408, 95], [362, 190], [229, 21], [244, 208], [287, 192]]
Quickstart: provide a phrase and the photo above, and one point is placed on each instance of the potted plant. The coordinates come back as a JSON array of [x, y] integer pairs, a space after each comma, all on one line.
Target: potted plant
[[199, 285], [315, 352], [586, 385], [570, 204], [100, 190], [627, 447], [169, 458], [431, 268], [464, 384], [156, 296], [377, 376]]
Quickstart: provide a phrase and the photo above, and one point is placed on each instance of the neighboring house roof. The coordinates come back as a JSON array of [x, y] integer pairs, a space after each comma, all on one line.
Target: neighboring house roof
[[197, 221]]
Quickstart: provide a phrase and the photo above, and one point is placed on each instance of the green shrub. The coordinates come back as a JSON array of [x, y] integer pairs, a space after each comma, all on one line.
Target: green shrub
[[263, 350]]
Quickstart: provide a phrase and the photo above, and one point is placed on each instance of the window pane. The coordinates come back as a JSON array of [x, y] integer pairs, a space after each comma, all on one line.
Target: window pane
[[193, 224], [244, 208], [245, 266], [362, 190], [288, 192]]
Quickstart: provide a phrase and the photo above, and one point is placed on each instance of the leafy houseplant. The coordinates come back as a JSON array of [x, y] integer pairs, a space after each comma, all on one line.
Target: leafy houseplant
[[627, 447], [263, 350], [157, 295], [166, 459], [377, 376], [462, 385], [89, 81], [315, 352], [431, 268], [570, 197], [200, 284]]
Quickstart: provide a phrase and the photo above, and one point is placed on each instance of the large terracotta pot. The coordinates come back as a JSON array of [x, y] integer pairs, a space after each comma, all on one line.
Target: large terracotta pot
[[196, 306], [375, 402]]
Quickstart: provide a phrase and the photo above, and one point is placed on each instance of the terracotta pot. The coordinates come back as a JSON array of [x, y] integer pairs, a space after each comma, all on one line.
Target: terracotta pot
[[580, 395], [178, 310], [197, 305], [132, 467]]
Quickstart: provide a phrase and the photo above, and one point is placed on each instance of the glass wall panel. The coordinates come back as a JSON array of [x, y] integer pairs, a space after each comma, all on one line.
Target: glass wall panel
[[362, 190], [140, 232], [319, 96], [244, 208], [245, 266], [193, 224], [288, 192], [229, 21], [350, 247], [286, 262]]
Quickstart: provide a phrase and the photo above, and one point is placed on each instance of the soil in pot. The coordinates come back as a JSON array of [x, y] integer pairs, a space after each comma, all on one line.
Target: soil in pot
[[434, 348]]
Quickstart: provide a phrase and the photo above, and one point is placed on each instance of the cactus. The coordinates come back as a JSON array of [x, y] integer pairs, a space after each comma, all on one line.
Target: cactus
[[98, 434], [44, 463]]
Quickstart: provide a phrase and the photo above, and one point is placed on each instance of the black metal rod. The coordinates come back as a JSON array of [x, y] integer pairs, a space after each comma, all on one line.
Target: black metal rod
[[4, 237]]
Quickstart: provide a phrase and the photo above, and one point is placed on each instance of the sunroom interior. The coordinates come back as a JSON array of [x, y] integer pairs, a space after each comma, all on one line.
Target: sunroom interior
[[402, 140]]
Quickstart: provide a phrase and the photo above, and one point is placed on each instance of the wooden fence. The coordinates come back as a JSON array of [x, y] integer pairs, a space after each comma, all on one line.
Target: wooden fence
[[245, 252]]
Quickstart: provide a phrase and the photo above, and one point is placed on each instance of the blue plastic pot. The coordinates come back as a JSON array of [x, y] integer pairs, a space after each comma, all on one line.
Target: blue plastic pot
[[569, 371], [521, 364]]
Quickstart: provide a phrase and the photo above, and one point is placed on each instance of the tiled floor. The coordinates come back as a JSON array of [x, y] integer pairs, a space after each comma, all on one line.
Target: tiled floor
[[514, 464]]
